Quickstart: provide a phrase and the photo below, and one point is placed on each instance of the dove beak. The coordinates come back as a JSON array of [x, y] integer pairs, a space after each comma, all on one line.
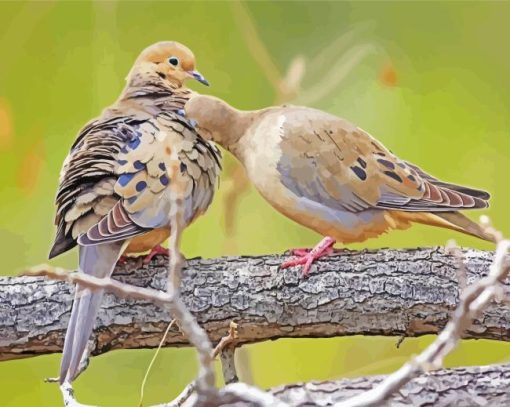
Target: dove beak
[[198, 76]]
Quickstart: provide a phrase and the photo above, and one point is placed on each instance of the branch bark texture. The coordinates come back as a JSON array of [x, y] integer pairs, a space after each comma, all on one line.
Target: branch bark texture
[[463, 387], [385, 292]]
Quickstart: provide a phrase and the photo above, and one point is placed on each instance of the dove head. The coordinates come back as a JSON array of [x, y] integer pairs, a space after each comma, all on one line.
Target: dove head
[[169, 60]]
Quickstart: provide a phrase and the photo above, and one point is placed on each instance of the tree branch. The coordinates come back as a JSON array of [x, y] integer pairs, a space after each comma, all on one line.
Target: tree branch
[[468, 386], [385, 292], [473, 300]]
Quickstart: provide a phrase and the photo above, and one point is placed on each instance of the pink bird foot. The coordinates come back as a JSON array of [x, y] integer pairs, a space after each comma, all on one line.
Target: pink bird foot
[[123, 260], [154, 252], [306, 257], [303, 251]]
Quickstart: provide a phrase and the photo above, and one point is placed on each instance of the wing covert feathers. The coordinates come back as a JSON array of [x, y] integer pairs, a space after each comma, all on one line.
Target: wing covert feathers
[[328, 160], [115, 181]]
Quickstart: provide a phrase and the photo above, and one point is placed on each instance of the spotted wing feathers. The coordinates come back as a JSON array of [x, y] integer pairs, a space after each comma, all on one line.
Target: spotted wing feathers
[[86, 188], [330, 161], [160, 153]]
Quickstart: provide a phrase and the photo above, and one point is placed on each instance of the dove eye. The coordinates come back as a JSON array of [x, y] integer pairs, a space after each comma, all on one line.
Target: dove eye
[[173, 61]]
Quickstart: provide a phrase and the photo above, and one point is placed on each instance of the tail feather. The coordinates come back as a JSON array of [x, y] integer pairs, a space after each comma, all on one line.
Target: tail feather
[[98, 261], [465, 225], [475, 193], [449, 220]]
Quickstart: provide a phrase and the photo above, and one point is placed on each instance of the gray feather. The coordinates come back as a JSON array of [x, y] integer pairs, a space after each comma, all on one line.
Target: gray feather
[[97, 261]]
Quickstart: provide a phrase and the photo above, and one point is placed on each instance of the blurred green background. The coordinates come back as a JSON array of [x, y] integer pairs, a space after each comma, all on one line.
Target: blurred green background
[[430, 80]]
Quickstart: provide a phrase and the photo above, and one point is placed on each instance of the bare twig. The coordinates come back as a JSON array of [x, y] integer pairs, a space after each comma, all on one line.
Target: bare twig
[[182, 398], [226, 350], [226, 340], [88, 281], [68, 396], [255, 44], [189, 390], [339, 71], [242, 392], [205, 381], [228, 365], [142, 387]]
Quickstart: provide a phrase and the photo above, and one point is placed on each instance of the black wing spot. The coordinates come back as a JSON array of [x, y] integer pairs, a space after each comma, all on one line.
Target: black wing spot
[[361, 174], [391, 174], [362, 162], [386, 163], [376, 146]]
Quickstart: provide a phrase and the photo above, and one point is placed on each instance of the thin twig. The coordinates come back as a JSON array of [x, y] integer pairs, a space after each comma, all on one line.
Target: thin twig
[[122, 290], [189, 390], [205, 381], [226, 350], [142, 387], [242, 392], [68, 395], [226, 340], [228, 365], [184, 396]]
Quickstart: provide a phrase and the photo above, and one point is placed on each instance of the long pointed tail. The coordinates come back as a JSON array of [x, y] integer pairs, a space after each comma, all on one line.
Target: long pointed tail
[[465, 225], [449, 220], [98, 261]]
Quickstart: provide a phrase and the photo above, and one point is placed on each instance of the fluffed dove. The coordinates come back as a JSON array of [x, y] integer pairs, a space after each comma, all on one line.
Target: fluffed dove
[[121, 176]]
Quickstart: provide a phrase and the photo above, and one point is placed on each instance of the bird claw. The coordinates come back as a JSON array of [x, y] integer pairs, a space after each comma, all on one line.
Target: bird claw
[[154, 252], [123, 260], [301, 252], [306, 257]]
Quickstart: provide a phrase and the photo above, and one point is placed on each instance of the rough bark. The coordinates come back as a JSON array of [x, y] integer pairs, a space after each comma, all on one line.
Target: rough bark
[[468, 386], [385, 292]]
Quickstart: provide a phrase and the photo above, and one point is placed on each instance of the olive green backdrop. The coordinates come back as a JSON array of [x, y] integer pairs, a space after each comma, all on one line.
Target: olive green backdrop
[[430, 80]]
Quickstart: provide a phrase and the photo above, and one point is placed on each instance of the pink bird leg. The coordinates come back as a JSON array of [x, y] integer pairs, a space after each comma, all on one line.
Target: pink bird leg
[[146, 259], [154, 252], [307, 257]]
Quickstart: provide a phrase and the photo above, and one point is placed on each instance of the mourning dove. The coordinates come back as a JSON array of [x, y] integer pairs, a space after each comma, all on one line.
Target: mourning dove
[[121, 176], [331, 176]]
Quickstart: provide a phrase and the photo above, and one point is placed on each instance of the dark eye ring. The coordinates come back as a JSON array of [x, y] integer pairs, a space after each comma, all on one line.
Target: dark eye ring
[[173, 61]]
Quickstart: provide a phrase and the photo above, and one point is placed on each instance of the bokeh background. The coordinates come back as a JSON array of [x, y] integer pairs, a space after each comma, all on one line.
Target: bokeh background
[[430, 80]]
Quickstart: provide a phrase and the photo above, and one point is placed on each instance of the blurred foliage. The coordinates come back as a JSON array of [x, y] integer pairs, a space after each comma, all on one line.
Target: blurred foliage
[[435, 91]]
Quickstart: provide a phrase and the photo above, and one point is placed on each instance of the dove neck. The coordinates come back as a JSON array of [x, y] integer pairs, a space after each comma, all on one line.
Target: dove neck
[[231, 127], [224, 124], [149, 85]]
